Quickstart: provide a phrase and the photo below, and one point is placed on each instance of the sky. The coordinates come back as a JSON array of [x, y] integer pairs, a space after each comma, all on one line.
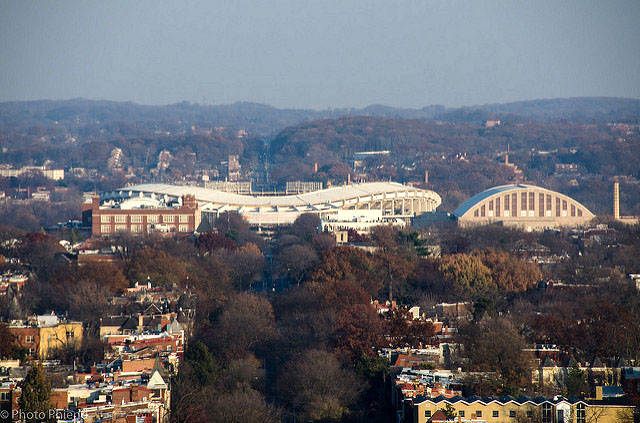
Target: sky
[[319, 54]]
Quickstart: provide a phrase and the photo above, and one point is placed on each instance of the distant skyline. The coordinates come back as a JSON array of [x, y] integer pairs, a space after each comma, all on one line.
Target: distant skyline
[[319, 54]]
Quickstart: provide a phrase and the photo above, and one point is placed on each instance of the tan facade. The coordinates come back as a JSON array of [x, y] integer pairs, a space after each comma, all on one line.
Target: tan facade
[[537, 410], [526, 206], [39, 342], [59, 336]]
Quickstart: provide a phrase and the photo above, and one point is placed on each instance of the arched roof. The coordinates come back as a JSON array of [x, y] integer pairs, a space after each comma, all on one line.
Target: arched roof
[[478, 198], [315, 198]]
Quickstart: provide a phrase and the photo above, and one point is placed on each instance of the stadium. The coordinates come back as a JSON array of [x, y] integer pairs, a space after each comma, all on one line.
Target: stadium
[[391, 200]]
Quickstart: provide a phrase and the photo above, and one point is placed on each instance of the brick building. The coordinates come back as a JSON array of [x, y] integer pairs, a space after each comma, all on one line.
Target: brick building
[[141, 216]]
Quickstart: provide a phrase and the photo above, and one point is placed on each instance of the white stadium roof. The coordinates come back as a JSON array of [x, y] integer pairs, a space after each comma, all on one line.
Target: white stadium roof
[[330, 197]]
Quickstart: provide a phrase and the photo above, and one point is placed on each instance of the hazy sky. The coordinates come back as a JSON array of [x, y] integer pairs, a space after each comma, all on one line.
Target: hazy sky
[[319, 54]]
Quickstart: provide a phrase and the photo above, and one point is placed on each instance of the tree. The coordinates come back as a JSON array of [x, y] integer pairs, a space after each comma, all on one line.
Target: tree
[[8, 344], [238, 406], [296, 261], [467, 274], [157, 265], [318, 387], [509, 274], [246, 325], [576, 381], [358, 331], [306, 226], [36, 393], [449, 411], [496, 346]]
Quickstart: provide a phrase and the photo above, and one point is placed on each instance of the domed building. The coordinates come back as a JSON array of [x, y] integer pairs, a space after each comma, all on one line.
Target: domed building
[[526, 206]]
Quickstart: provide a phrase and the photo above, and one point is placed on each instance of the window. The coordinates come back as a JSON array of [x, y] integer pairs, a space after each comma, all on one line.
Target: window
[[541, 205], [461, 413], [184, 218], [30, 351], [121, 218], [152, 219], [479, 412], [547, 413], [105, 218], [427, 413], [70, 335], [506, 202], [482, 210], [136, 228], [532, 200], [5, 396], [557, 207], [184, 228], [579, 212], [136, 218], [523, 201], [167, 218], [514, 204], [495, 414], [512, 414], [105, 229], [476, 213], [581, 413], [29, 339], [498, 206], [121, 228], [491, 208], [573, 211]]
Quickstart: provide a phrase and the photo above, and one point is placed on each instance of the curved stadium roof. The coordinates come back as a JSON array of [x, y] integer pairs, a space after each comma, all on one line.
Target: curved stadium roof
[[315, 198], [478, 198]]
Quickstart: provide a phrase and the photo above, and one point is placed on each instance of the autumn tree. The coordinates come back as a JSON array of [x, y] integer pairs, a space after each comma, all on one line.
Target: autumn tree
[[156, 265], [467, 274], [8, 342], [358, 332], [507, 273]]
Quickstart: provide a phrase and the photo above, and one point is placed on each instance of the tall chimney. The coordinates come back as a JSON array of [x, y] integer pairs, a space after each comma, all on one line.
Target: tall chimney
[[616, 200], [506, 156], [348, 178], [426, 176], [315, 167]]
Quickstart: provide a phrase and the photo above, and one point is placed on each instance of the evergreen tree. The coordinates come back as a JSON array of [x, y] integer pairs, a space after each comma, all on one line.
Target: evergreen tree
[[36, 393]]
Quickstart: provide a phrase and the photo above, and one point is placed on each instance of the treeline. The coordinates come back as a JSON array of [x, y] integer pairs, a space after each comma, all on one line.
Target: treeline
[[287, 328]]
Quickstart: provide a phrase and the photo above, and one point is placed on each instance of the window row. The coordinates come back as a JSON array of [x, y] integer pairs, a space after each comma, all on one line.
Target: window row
[[138, 218], [507, 206]]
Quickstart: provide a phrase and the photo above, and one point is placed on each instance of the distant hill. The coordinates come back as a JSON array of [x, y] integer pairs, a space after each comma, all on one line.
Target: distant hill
[[266, 120], [578, 108]]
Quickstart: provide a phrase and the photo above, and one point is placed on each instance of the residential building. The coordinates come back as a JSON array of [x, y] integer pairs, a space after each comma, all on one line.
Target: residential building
[[40, 335], [508, 409]]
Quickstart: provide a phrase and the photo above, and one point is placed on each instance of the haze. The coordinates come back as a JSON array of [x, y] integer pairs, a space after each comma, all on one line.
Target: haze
[[319, 54]]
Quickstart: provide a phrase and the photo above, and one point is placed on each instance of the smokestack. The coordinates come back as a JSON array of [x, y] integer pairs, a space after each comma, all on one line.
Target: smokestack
[[616, 200], [426, 176], [506, 156], [348, 179], [315, 167]]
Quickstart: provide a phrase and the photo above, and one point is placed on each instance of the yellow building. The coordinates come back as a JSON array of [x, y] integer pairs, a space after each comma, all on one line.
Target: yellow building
[[521, 410], [59, 336]]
